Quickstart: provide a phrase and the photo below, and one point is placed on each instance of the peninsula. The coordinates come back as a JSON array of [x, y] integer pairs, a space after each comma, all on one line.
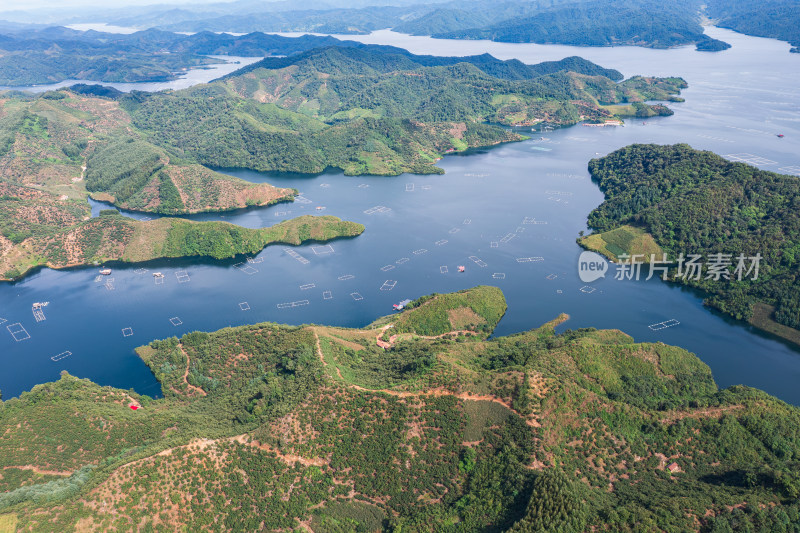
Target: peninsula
[[676, 200]]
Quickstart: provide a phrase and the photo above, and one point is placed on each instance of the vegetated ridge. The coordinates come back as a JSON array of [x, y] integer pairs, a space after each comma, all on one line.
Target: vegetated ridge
[[375, 111], [695, 202], [276, 427]]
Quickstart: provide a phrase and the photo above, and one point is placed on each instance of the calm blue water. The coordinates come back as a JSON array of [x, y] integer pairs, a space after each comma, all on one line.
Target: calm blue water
[[483, 198]]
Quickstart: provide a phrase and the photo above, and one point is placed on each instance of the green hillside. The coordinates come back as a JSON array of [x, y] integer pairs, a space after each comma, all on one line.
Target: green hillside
[[695, 202], [47, 140], [279, 428], [374, 111], [776, 19], [41, 230]]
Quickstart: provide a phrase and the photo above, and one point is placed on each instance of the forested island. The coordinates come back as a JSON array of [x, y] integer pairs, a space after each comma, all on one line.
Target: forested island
[[673, 199], [270, 427]]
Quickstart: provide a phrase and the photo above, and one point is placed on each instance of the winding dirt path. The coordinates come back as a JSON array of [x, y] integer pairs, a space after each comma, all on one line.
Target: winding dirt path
[[438, 392], [393, 339], [40, 471], [285, 457], [186, 376], [201, 445]]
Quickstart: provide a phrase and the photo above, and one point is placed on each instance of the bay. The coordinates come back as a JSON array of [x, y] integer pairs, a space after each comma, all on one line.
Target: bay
[[483, 207]]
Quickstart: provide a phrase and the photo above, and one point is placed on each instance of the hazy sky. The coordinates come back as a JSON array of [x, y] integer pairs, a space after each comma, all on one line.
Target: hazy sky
[[16, 5]]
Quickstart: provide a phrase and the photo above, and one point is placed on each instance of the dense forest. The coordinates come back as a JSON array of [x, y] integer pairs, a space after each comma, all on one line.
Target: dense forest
[[777, 19], [277, 428], [696, 202], [376, 111], [599, 23]]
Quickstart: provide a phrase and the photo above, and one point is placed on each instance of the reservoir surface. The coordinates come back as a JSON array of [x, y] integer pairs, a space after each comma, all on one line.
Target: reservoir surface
[[510, 215]]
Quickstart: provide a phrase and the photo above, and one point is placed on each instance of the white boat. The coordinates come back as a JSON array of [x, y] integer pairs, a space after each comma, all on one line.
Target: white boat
[[401, 305]]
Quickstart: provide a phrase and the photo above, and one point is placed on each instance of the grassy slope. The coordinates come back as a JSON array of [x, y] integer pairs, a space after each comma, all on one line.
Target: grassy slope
[[250, 411], [46, 140], [479, 309], [623, 240], [763, 319]]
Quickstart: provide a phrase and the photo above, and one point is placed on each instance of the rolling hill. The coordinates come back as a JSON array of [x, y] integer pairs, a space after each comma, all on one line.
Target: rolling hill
[[307, 427]]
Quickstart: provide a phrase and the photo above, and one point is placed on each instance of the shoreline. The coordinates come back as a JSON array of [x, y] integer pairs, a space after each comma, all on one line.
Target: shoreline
[[762, 312], [342, 229]]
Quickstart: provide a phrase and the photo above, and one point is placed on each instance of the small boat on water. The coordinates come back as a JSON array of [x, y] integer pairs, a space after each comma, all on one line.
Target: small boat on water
[[780, 135], [105, 271], [462, 269], [158, 275], [400, 306]]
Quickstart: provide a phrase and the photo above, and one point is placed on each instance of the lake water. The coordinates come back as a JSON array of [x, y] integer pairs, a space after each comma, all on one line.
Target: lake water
[[737, 102]]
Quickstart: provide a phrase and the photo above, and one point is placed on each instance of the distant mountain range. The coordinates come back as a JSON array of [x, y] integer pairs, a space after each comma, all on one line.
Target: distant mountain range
[[53, 54], [776, 19], [578, 22]]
